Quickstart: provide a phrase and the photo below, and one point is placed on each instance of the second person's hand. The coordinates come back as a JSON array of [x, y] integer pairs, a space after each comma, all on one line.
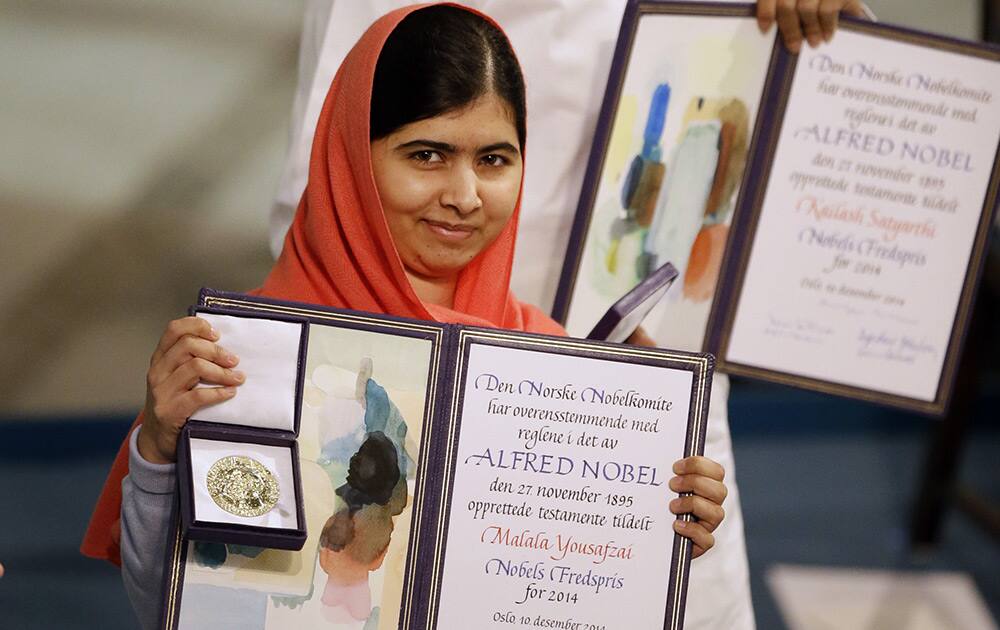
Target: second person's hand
[[812, 20]]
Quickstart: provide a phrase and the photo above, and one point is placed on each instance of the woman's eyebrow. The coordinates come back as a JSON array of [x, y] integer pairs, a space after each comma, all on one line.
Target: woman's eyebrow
[[499, 146], [444, 147]]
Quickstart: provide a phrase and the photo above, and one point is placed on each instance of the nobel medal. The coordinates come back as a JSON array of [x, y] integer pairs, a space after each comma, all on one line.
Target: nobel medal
[[242, 486]]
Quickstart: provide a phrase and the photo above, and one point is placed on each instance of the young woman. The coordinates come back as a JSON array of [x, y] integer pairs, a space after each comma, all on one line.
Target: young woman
[[572, 42], [412, 211]]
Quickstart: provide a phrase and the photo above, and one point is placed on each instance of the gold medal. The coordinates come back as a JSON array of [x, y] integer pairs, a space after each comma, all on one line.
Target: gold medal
[[242, 486]]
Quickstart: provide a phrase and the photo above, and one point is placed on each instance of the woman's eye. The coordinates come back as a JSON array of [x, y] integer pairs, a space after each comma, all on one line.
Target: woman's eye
[[426, 156], [494, 160]]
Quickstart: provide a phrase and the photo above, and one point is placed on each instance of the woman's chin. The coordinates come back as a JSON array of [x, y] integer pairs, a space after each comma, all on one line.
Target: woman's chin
[[442, 266], [443, 273]]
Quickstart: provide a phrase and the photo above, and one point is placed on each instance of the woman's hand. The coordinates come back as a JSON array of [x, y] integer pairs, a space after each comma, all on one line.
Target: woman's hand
[[702, 478], [699, 476], [640, 338], [813, 20], [186, 355]]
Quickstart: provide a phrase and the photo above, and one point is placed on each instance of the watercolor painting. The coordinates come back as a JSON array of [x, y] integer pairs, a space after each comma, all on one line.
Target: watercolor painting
[[672, 170], [362, 418]]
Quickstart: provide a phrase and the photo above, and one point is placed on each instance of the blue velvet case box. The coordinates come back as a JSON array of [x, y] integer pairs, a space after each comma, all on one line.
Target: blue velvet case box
[[238, 461]]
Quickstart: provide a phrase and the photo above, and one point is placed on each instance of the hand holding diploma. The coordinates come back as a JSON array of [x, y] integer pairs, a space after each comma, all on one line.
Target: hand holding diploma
[[700, 481], [186, 355], [812, 20]]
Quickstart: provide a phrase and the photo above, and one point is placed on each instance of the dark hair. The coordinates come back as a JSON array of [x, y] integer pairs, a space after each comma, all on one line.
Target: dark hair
[[439, 59]]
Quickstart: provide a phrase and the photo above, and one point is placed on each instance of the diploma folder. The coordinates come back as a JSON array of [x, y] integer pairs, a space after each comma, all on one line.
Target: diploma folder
[[828, 212], [457, 477]]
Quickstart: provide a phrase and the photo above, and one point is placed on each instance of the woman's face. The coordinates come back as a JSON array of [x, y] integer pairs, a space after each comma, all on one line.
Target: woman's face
[[449, 185]]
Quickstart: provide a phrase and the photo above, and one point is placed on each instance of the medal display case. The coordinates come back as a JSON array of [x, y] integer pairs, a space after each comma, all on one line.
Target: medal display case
[[626, 315], [238, 461]]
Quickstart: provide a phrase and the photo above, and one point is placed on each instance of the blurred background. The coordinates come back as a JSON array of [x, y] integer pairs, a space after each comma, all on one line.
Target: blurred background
[[140, 145]]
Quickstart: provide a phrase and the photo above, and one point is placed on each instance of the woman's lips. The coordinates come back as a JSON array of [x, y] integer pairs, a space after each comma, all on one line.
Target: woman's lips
[[449, 231]]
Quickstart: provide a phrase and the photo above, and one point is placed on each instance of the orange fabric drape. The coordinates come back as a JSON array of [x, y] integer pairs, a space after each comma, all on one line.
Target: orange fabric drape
[[339, 252]]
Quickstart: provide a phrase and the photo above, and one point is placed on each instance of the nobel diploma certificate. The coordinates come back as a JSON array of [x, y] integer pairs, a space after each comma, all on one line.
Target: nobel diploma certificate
[[881, 180], [457, 478], [558, 514], [829, 236]]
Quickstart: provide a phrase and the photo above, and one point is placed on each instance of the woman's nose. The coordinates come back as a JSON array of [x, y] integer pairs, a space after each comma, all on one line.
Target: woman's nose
[[461, 191]]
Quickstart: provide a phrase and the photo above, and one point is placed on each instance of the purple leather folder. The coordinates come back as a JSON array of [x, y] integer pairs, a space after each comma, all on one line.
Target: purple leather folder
[[627, 313]]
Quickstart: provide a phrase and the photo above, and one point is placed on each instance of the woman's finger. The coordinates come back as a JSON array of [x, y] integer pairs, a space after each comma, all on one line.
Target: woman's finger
[[176, 329], [185, 377], [710, 489], [702, 538], [829, 14], [699, 465], [709, 514], [809, 17], [640, 338], [829, 17], [185, 349], [198, 370], [854, 8], [172, 412], [787, 16], [199, 397]]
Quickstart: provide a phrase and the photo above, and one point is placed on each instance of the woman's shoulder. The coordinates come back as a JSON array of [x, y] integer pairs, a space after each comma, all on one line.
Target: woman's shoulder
[[535, 320]]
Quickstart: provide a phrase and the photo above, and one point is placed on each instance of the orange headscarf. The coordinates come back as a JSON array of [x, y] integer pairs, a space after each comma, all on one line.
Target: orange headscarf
[[339, 252]]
